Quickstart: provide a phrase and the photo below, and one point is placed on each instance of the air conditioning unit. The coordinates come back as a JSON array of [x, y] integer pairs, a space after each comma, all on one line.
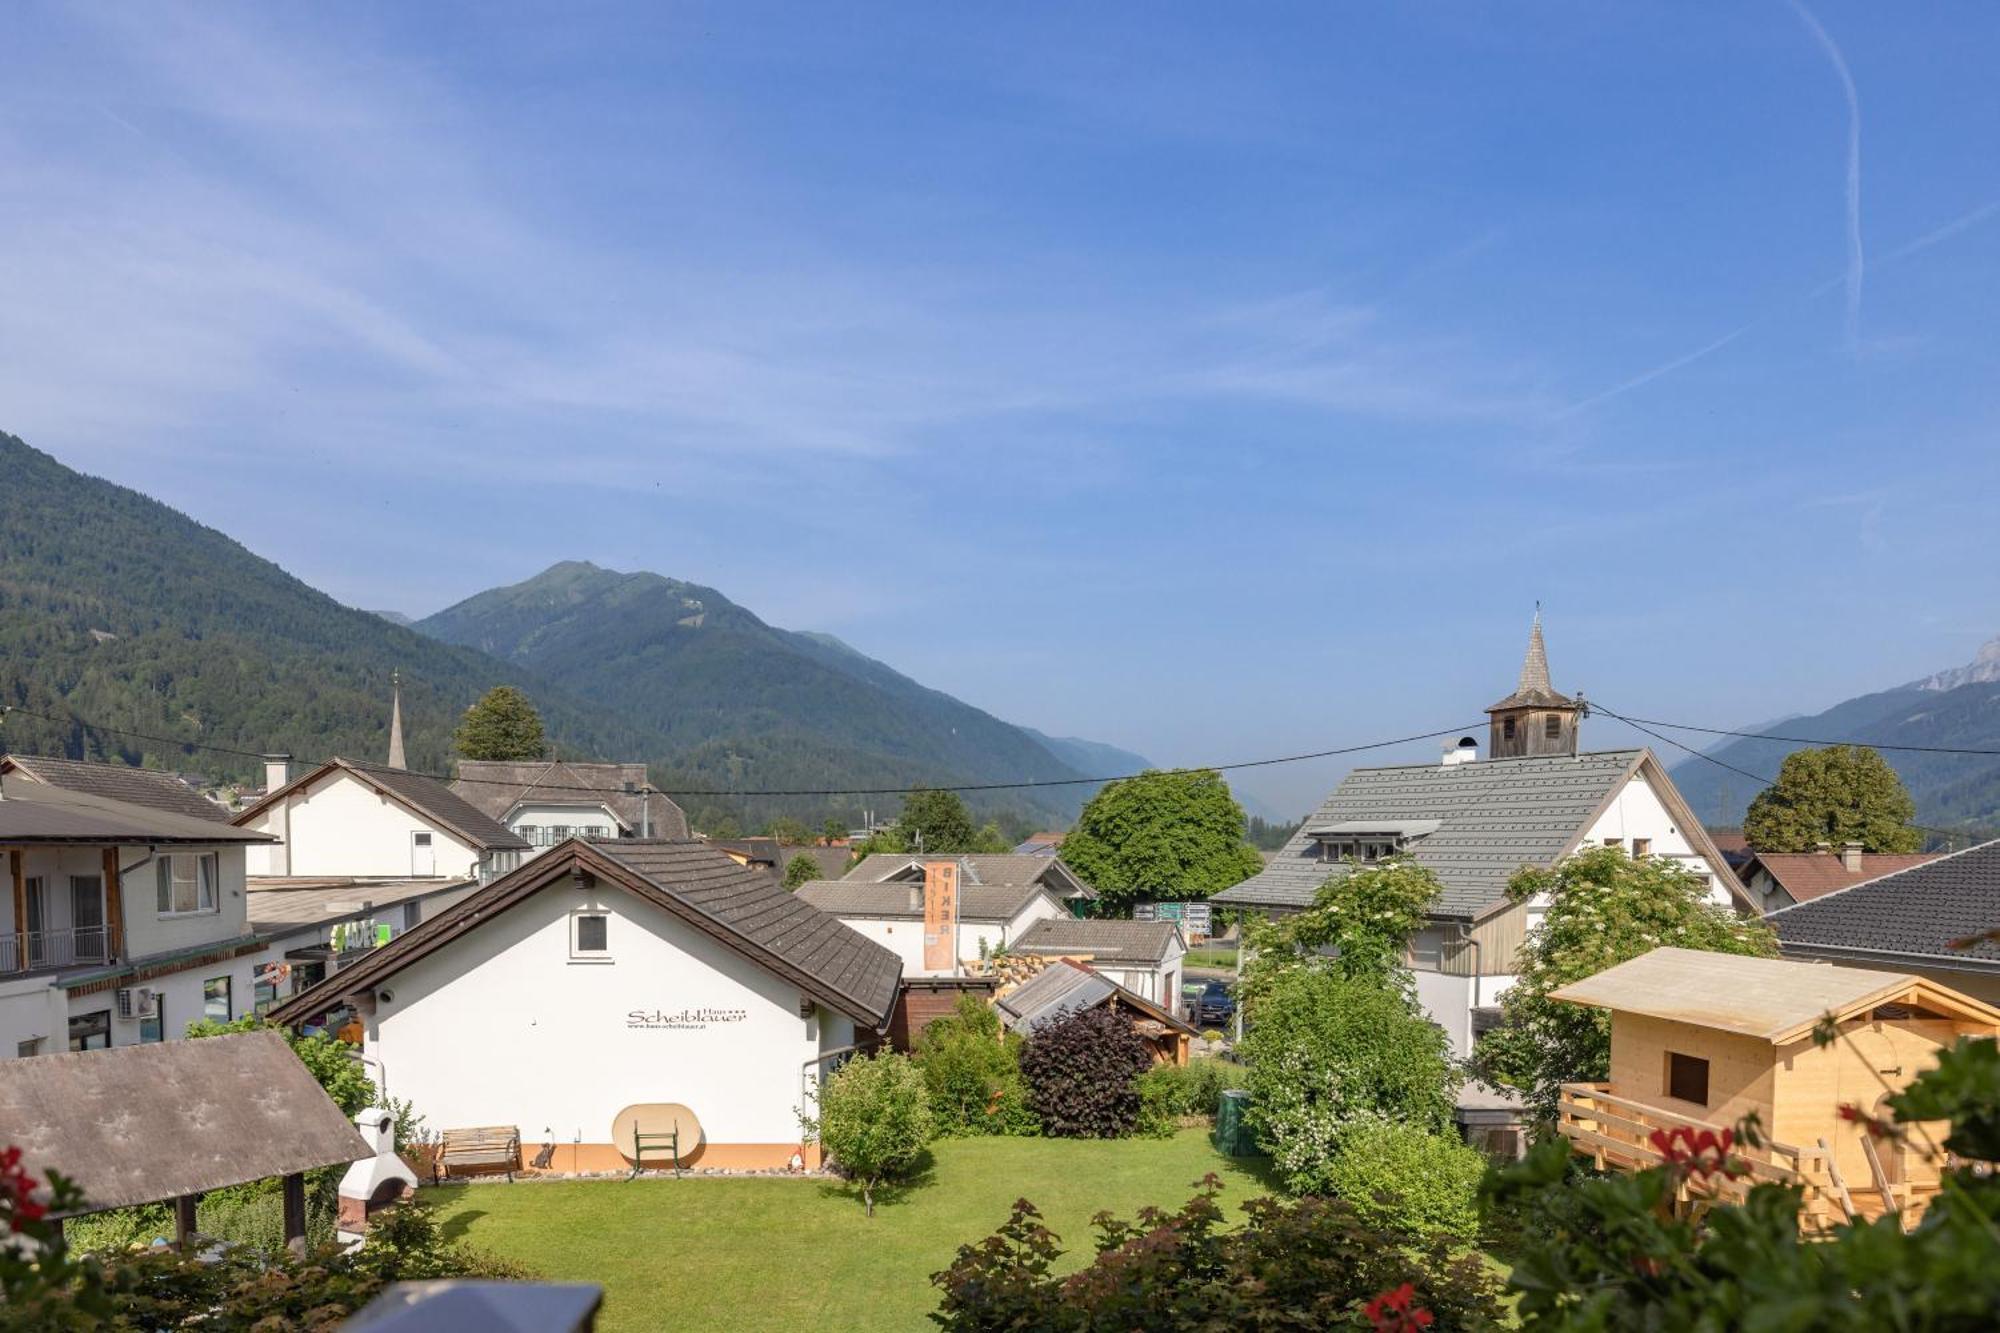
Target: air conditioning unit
[[137, 1001]]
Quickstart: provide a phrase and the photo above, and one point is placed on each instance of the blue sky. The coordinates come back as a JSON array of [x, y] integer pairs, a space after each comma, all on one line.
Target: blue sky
[[1216, 381]]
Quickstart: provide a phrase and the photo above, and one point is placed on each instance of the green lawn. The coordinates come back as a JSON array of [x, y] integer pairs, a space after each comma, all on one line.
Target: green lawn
[[758, 1252], [1221, 957]]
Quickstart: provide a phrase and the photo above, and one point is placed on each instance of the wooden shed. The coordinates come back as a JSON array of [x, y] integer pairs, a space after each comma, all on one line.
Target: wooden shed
[[1703, 1040]]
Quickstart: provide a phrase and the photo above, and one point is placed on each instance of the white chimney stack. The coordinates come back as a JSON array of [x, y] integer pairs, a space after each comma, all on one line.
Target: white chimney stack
[[1465, 751], [277, 771], [1850, 857], [373, 1183]]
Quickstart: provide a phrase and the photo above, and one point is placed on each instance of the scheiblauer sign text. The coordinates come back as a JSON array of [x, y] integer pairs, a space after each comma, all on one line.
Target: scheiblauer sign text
[[682, 1020]]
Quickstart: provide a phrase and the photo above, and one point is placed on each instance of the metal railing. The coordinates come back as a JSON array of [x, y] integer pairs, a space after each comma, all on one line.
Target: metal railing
[[77, 947]]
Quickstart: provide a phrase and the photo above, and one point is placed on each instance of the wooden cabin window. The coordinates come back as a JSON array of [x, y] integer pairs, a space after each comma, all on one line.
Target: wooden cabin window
[[1552, 727], [1642, 847], [1687, 1078], [1507, 727]]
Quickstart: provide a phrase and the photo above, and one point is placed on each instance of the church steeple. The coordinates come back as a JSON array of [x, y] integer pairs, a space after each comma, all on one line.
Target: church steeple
[[1533, 720], [396, 720]]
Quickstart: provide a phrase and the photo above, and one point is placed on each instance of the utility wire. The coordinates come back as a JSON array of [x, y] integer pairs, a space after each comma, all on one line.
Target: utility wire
[[833, 791], [1797, 740]]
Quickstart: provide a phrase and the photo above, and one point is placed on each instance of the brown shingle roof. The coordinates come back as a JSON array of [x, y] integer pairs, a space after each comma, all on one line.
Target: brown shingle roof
[[736, 905], [119, 782], [37, 812], [138, 1124], [497, 786], [1809, 875]]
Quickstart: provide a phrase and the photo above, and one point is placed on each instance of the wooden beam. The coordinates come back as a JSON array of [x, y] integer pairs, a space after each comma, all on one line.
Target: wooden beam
[[1839, 1185], [114, 907], [295, 1214], [20, 877], [184, 1218], [1889, 1203]]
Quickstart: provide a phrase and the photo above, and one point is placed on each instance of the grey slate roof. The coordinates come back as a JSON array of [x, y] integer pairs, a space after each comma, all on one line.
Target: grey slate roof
[[38, 813], [740, 907], [138, 1124], [1494, 816], [496, 786], [976, 868], [1065, 988], [1107, 941], [119, 782], [899, 898], [424, 794], [1914, 914]]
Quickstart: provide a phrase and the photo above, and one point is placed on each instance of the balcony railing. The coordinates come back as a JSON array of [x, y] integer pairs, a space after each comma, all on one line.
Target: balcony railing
[[1617, 1132], [82, 946]]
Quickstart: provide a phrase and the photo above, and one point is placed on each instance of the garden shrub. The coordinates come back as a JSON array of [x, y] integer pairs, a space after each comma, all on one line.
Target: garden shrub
[[1326, 1052], [1169, 1094], [873, 1119], [972, 1070], [1309, 1264], [1393, 1174], [1082, 1071]]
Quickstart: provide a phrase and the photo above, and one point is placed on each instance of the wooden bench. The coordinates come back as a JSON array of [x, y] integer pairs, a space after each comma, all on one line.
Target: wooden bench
[[489, 1145]]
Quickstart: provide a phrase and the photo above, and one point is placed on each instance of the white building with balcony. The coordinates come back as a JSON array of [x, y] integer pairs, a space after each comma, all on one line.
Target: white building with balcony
[[124, 922]]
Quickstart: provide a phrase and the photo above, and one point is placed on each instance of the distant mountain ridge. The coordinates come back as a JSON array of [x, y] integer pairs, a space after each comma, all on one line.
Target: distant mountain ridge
[[1955, 708], [749, 705], [120, 611]]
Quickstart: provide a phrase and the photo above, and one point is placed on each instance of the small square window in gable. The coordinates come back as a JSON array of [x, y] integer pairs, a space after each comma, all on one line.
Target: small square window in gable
[[590, 937]]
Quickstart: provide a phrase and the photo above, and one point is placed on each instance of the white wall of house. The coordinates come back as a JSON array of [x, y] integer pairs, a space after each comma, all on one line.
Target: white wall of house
[[32, 1010], [504, 1027], [905, 935], [1638, 813], [149, 931], [341, 826], [538, 820]]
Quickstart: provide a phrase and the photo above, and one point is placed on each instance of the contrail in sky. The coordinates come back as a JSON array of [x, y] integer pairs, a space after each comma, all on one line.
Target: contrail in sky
[[1856, 265]]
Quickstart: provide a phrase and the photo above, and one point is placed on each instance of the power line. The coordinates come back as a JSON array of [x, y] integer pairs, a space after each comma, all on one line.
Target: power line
[[1799, 740], [833, 791]]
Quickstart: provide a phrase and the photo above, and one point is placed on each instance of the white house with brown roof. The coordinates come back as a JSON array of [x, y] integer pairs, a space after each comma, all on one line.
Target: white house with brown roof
[[988, 917], [1143, 957], [345, 818], [544, 801], [1781, 879], [610, 984]]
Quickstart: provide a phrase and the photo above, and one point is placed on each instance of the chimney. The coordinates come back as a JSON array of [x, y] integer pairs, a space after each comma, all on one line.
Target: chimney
[[277, 771], [1465, 751], [373, 1183], [1850, 857]]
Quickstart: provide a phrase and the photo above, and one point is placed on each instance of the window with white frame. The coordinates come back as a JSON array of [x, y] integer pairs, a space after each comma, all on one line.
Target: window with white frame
[[187, 883], [590, 937]]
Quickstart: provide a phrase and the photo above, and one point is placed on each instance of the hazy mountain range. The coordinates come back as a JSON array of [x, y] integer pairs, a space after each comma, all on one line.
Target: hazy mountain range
[[122, 612]]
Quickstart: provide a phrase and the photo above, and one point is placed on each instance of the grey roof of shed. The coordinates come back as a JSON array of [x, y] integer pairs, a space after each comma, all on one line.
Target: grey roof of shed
[[743, 909], [1065, 988], [496, 786], [1916, 914], [415, 791], [138, 1124], [1106, 941], [895, 898], [1493, 816], [118, 782], [40, 813]]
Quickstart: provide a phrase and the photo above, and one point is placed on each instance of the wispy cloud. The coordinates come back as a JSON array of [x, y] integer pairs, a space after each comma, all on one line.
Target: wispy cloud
[[1856, 261]]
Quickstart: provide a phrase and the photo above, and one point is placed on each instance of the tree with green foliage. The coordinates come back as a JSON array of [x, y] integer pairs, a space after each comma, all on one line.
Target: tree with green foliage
[[1409, 1177], [1835, 794], [832, 831], [873, 1118], [972, 1070], [1165, 834], [801, 869], [501, 725], [1327, 1052], [788, 832], [1604, 908], [1364, 917]]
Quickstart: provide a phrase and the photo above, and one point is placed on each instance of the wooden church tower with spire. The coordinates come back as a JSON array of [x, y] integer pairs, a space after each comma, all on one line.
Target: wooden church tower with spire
[[1534, 720], [396, 720]]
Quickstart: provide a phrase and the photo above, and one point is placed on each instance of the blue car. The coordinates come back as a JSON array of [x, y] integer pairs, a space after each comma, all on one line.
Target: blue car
[[1216, 1007]]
